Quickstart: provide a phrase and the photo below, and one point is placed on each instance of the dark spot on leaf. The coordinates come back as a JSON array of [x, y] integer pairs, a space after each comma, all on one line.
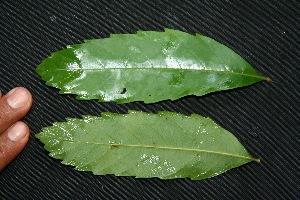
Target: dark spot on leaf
[[123, 91], [113, 146]]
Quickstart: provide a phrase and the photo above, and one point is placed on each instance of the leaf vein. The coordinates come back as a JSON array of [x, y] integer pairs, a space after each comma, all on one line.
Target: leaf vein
[[169, 148], [184, 69]]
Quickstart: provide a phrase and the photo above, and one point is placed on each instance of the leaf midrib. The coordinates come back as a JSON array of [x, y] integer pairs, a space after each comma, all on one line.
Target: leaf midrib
[[114, 145], [154, 68]]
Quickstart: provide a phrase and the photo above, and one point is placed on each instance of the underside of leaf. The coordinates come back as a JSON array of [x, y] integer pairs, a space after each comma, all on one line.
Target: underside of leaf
[[147, 66], [164, 145]]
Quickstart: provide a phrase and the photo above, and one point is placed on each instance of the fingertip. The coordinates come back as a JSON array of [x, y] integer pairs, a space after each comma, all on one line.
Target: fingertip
[[19, 97], [12, 142], [14, 106], [18, 131]]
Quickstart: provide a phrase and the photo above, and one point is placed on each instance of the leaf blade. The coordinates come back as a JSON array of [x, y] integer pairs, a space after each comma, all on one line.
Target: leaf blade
[[149, 66], [107, 145]]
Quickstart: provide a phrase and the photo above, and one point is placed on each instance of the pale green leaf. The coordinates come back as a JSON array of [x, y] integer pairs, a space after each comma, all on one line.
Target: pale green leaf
[[148, 66], [165, 145]]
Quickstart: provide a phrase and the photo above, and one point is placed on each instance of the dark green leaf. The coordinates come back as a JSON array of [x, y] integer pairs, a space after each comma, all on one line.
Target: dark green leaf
[[148, 66], [165, 145]]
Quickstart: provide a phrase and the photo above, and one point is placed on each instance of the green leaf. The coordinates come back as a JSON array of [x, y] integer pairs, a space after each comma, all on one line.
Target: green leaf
[[148, 66], [165, 145]]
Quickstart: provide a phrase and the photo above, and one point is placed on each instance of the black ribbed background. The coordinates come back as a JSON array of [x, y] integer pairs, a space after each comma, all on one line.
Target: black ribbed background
[[264, 116]]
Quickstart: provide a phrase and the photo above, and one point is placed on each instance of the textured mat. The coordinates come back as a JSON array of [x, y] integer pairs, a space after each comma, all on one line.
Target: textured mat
[[264, 117]]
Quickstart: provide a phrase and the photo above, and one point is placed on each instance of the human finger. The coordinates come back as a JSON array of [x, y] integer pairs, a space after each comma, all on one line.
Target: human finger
[[12, 142], [14, 106]]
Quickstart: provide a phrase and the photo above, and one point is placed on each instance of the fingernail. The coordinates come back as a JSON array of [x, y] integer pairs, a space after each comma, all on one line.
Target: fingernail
[[17, 132], [17, 98]]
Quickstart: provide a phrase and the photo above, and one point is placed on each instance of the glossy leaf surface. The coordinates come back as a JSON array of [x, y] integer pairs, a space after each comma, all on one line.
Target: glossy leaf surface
[[165, 145], [148, 66]]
